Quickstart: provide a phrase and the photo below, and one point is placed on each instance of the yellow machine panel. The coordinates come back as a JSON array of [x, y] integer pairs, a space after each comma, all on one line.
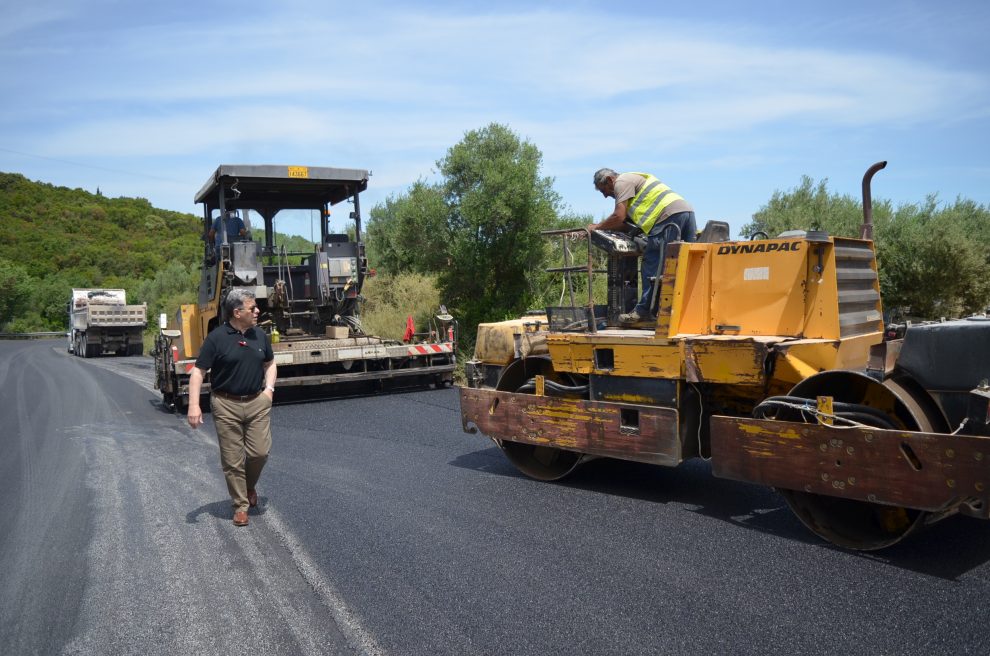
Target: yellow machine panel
[[758, 288], [502, 342]]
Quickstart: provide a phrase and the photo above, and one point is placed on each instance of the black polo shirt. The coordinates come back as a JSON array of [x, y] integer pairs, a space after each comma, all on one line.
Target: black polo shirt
[[235, 359]]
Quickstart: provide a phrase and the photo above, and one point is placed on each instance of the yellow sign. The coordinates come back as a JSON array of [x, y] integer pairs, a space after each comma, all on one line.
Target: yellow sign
[[298, 171]]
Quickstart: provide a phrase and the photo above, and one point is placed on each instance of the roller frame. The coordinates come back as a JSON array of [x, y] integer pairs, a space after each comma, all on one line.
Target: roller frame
[[934, 472]]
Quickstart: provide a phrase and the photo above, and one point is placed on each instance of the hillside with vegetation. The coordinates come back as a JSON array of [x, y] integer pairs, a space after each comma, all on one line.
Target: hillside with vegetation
[[54, 238]]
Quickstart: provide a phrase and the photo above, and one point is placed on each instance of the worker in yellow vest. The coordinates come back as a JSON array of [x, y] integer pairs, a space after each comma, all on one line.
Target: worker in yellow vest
[[644, 205]]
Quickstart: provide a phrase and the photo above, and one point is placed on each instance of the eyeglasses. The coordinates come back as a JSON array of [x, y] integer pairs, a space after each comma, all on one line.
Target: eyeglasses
[[253, 308]]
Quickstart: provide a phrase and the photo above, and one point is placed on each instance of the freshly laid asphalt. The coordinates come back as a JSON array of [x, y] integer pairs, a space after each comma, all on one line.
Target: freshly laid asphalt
[[383, 528]]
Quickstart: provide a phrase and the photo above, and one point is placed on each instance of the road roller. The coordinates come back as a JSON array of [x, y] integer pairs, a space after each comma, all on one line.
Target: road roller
[[768, 358]]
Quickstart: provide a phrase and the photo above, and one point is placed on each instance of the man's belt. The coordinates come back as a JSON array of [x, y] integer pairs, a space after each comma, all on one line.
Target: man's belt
[[235, 397]]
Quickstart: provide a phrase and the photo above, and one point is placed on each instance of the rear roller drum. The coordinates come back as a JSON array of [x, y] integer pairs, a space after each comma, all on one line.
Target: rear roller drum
[[544, 463], [851, 523]]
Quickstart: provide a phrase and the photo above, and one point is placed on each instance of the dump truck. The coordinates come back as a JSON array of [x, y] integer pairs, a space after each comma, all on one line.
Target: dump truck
[[309, 299], [767, 358], [102, 323]]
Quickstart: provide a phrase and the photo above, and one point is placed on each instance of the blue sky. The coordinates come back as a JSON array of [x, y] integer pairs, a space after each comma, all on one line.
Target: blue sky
[[727, 102]]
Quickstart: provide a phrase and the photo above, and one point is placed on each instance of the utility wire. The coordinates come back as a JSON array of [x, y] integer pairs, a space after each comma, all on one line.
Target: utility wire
[[91, 166]]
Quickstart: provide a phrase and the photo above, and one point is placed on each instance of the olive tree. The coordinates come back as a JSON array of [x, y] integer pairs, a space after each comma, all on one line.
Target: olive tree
[[478, 227], [932, 258]]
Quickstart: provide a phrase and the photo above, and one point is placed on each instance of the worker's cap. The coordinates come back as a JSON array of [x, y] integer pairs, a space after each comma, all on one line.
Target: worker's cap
[[232, 214]]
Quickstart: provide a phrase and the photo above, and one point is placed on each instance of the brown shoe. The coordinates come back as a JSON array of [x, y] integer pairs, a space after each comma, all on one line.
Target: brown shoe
[[252, 498], [240, 518]]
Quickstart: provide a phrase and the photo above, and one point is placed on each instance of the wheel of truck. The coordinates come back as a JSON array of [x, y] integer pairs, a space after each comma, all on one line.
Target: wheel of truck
[[850, 523], [93, 350], [544, 463], [134, 349]]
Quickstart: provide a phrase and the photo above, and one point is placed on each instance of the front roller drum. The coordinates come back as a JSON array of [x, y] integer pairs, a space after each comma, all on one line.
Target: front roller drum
[[849, 523], [865, 487], [544, 463]]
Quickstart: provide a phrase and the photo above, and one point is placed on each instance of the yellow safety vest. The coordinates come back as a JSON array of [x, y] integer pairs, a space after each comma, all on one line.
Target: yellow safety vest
[[647, 206]]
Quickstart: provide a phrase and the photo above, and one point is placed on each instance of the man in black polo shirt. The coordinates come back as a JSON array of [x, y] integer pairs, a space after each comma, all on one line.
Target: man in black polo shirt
[[239, 358]]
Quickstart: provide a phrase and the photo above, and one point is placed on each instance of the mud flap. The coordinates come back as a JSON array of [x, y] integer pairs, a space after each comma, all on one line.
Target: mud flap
[[925, 471]]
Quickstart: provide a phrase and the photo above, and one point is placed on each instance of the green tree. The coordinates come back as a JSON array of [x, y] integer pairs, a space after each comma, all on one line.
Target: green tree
[[932, 259], [478, 228], [50, 300], [412, 231], [172, 285], [15, 291], [810, 206]]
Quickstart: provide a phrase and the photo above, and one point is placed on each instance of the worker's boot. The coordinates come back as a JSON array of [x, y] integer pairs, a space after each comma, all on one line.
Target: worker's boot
[[630, 318]]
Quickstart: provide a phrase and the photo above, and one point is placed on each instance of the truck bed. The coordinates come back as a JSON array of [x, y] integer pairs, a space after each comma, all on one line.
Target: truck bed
[[110, 316]]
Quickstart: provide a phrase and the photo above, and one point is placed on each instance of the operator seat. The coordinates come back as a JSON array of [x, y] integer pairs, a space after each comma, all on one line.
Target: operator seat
[[714, 231]]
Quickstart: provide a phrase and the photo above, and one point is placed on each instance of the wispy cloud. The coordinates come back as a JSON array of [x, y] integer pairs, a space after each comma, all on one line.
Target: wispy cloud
[[394, 88]]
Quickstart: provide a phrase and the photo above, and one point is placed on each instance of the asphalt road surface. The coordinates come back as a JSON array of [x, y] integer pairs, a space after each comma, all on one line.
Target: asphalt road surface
[[384, 529]]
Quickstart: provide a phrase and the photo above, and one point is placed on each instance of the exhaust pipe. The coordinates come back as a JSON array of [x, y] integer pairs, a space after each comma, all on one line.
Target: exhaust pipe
[[866, 230]]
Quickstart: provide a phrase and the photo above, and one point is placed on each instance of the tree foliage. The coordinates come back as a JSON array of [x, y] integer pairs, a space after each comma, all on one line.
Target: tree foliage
[[15, 292], [390, 299], [932, 258], [478, 228]]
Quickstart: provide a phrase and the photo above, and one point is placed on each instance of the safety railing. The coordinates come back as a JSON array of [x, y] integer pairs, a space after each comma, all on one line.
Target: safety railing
[[41, 335]]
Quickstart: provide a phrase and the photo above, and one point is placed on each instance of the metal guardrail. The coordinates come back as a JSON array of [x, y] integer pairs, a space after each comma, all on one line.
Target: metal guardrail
[[31, 335]]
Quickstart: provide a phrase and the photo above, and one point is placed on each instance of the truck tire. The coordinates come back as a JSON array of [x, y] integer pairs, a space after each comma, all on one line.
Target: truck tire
[[91, 350], [135, 349]]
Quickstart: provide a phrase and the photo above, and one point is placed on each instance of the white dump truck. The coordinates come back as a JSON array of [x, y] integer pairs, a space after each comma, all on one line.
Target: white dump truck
[[101, 322]]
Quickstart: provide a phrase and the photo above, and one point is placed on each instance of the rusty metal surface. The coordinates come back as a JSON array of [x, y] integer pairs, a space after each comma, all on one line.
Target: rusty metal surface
[[926, 471], [597, 428], [738, 360]]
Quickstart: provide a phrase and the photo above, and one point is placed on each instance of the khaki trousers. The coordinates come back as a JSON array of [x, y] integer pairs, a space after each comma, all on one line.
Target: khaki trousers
[[244, 431]]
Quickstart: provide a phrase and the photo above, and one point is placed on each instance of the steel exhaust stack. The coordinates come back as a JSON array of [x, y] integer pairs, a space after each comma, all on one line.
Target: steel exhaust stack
[[866, 230]]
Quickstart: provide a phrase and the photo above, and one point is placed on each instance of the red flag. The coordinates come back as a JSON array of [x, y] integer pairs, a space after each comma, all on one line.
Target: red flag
[[410, 329]]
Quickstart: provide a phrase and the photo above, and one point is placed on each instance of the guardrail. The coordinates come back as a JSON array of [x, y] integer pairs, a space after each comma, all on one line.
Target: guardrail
[[31, 335]]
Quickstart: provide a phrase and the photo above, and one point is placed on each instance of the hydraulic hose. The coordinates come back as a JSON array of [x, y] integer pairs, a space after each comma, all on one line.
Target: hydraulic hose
[[530, 386], [856, 412]]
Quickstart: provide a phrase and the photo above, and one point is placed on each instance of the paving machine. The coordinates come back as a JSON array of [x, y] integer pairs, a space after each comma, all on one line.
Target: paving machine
[[768, 358], [310, 300]]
